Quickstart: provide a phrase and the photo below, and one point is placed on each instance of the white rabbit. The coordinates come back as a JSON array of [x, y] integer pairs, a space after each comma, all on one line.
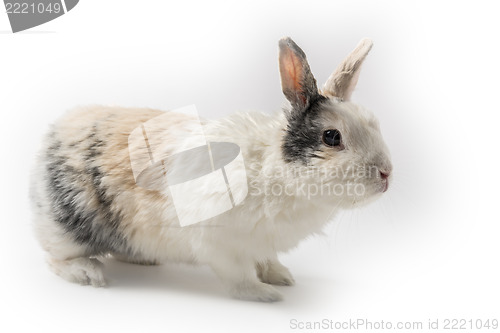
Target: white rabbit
[[322, 154]]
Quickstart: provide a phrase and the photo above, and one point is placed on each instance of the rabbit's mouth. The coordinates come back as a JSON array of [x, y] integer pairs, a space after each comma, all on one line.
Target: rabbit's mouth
[[385, 181], [385, 185]]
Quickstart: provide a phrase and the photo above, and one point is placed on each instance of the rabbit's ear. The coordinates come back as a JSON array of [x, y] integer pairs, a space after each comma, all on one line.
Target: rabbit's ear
[[342, 82], [297, 81]]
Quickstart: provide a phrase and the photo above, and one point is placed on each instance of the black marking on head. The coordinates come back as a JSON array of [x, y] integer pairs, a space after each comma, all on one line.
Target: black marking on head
[[96, 228], [303, 133]]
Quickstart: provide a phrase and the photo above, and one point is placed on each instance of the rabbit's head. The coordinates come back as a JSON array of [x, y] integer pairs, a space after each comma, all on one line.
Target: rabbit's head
[[336, 143]]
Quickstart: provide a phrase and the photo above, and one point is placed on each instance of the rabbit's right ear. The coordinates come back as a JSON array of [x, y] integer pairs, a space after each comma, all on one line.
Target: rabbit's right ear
[[342, 82], [297, 81]]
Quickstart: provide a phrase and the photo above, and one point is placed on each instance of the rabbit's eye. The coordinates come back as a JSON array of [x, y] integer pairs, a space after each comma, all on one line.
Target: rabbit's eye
[[332, 138]]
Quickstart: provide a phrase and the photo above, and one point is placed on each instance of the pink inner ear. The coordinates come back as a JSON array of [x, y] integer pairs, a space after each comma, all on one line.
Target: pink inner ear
[[291, 72], [293, 69]]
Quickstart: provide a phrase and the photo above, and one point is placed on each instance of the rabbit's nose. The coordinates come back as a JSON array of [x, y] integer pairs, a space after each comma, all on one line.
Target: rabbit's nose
[[384, 175]]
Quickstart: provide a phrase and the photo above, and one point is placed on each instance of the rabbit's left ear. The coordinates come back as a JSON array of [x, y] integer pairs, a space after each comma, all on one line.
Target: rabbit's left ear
[[342, 82], [297, 81]]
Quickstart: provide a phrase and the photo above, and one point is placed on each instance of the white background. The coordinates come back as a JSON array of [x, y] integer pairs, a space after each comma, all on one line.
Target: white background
[[427, 250]]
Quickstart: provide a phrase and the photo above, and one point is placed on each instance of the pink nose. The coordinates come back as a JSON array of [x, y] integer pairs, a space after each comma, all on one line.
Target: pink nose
[[384, 175]]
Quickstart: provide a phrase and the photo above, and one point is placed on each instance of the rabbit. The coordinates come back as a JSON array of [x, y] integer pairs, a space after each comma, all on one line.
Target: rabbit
[[319, 155]]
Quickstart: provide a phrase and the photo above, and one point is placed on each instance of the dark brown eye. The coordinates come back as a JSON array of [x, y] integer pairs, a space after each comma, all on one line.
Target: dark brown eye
[[332, 138]]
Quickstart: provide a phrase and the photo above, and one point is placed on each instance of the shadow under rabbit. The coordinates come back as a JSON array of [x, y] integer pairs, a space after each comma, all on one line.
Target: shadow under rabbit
[[200, 280]]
